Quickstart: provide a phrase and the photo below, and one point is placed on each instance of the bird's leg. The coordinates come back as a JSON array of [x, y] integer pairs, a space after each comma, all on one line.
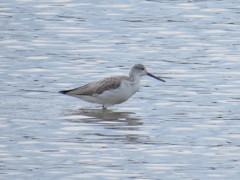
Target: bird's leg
[[103, 107]]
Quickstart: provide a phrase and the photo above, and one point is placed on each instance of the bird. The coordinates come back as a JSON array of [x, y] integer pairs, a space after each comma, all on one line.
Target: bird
[[112, 90]]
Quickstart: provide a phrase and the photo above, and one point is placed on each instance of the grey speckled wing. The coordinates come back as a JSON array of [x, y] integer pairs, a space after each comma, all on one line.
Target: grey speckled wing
[[97, 87]]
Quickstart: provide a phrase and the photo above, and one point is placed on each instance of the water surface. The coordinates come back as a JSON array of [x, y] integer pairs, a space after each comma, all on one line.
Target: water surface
[[185, 128]]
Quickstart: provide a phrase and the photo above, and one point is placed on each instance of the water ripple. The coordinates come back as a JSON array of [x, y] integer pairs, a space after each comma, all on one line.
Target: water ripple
[[186, 128]]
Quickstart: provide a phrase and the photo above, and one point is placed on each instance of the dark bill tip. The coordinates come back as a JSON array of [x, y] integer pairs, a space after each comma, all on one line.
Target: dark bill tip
[[158, 78]]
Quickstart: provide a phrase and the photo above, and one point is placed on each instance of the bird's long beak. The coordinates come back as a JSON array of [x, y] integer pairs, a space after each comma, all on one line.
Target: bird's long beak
[[158, 78]]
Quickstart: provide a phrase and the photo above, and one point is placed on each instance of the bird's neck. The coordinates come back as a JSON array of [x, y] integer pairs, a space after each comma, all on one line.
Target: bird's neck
[[134, 77]]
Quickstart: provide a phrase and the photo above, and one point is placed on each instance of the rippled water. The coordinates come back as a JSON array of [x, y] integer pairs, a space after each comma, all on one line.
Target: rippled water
[[186, 128]]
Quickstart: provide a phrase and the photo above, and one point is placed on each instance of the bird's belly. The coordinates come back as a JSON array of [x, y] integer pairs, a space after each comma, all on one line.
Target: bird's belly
[[113, 96], [119, 95]]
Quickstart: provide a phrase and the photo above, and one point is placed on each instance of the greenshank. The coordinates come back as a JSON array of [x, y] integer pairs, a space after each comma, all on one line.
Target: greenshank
[[112, 90]]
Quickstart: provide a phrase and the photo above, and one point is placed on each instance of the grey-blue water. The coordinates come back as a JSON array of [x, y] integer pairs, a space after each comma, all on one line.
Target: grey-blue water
[[186, 128]]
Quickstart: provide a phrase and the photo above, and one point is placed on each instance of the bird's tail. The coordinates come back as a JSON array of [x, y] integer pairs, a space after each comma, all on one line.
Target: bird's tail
[[64, 91]]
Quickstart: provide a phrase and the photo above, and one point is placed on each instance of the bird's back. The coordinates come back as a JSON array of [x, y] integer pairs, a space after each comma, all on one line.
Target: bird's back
[[97, 87]]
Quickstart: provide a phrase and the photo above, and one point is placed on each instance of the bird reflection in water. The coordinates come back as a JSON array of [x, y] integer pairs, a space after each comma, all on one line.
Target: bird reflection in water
[[116, 126], [99, 115]]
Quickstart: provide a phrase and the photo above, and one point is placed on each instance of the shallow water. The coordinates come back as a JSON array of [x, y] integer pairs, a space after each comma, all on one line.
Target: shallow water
[[185, 128]]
